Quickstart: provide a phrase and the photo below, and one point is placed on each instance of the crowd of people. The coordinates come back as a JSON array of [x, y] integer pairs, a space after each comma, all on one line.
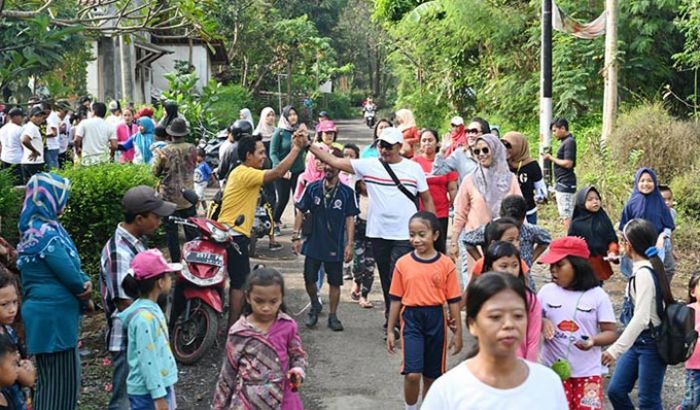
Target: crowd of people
[[387, 205]]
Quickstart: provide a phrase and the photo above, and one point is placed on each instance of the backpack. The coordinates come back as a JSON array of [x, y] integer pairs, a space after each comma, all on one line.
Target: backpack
[[675, 336]]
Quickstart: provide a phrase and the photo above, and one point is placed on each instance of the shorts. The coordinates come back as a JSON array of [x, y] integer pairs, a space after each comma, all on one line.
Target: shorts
[[424, 338], [238, 265], [146, 402], [565, 204], [584, 392], [334, 271], [199, 188]]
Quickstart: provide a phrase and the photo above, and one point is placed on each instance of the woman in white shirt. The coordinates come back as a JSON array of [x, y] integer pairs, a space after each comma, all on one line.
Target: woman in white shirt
[[647, 292], [495, 378]]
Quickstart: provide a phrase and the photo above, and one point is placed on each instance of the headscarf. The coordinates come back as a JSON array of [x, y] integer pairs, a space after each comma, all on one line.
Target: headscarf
[[144, 140], [405, 117], [45, 200], [284, 119], [494, 182], [247, 116], [170, 113], [310, 174], [458, 138], [650, 207], [520, 149], [594, 227], [263, 129]]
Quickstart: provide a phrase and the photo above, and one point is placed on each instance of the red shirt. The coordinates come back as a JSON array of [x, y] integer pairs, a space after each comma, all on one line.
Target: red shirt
[[437, 185]]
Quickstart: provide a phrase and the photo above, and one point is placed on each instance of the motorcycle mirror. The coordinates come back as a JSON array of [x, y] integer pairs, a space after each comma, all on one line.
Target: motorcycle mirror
[[190, 196], [239, 220]]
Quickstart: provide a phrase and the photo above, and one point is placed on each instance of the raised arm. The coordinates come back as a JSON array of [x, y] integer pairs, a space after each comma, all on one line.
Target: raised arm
[[342, 164]]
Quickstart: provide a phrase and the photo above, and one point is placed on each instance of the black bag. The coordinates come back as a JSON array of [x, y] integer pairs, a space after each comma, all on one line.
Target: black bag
[[399, 185], [676, 336]]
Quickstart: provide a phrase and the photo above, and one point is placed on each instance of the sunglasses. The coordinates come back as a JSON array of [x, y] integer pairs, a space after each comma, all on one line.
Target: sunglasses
[[506, 144], [385, 145], [473, 131], [479, 151]]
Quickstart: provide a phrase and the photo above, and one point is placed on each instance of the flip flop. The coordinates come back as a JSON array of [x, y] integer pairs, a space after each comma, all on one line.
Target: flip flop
[[355, 296], [366, 304]]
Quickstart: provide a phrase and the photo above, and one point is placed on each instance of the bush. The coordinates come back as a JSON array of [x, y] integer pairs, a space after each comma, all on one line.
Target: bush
[[667, 145], [232, 98], [95, 206], [338, 106], [11, 199], [686, 192]]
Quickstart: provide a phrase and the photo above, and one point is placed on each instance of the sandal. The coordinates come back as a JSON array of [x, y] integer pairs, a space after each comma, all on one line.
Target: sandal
[[355, 295], [364, 303]]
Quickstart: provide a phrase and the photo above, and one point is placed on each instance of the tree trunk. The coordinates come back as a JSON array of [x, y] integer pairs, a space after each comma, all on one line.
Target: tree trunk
[[610, 71], [370, 66]]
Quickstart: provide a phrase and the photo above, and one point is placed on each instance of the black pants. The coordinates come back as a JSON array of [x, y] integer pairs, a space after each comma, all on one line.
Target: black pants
[[441, 244], [15, 170], [28, 171], [386, 253], [172, 233], [284, 187]]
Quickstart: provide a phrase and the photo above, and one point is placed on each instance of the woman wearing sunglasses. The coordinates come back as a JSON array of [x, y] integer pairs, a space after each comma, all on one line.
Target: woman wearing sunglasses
[[527, 170], [457, 156], [480, 194]]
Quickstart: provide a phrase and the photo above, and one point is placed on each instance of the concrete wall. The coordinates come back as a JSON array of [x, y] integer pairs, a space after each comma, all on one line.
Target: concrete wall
[[93, 82], [166, 64]]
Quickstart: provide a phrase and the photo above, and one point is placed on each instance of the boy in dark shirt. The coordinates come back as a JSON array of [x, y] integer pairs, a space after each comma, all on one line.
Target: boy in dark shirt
[[564, 165]]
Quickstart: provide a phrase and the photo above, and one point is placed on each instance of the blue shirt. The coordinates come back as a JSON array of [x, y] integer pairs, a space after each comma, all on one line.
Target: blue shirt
[[202, 172], [329, 211]]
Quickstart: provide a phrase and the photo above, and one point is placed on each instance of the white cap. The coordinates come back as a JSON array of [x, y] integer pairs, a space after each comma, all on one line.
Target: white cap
[[391, 135], [457, 120], [113, 106]]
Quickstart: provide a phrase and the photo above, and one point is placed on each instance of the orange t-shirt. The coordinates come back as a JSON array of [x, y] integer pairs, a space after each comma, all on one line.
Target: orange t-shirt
[[418, 282]]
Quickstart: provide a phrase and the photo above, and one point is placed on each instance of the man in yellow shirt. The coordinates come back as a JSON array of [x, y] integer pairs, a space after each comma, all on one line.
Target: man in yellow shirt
[[241, 198]]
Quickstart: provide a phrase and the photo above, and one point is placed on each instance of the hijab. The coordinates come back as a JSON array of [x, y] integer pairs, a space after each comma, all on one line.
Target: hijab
[[650, 206], [284, 119], [247, 116], [405, 117], [144, 140], [310, 174], [493, 182], [458, 138], [594, 227], [170, 113], [263, 129], [520, 149], [45, 200]]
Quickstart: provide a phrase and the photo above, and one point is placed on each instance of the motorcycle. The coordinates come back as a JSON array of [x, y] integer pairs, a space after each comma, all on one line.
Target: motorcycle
[[262, 225], [204, 274], [370, 114], [211, 147]]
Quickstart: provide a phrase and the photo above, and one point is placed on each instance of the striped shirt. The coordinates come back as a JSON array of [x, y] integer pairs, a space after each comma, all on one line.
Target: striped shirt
[[389, 208], [116, 259]]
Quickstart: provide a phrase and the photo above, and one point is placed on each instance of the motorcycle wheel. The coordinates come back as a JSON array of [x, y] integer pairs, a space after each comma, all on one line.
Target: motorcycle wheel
[[253, 244], [193, 338]]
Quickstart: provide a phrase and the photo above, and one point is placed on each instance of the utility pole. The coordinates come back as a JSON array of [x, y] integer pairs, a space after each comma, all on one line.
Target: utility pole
[[546, 88], [610, 71]]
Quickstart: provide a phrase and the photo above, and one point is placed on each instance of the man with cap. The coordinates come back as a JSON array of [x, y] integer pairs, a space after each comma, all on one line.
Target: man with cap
[[11, 144], [174, 165], [32, 144], [390, 207], [115, 113], [143, 210], [95, 139]]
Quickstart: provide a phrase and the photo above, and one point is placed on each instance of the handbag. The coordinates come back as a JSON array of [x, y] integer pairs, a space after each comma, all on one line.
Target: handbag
[[399, 185]]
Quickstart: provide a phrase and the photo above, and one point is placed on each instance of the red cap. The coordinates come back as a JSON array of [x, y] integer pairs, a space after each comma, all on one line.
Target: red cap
[[151, 263], [563, 247]]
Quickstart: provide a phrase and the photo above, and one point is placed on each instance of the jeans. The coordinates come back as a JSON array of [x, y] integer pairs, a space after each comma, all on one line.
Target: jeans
[[51, 158], [386, 253], [691, 398], [641, 363], [172, 233], [531, 218], [146, 402], [119, 400], [284, 187]]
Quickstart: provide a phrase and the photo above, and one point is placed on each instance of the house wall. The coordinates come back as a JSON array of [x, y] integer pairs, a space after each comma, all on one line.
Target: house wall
[[166, 64], [93, 77]]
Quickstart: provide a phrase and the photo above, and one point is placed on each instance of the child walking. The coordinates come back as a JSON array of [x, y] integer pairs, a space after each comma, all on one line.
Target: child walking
[[691, 399], [202, 175], [579, 319], [647, 292], [264, 362], [504, 257], [363, 261], [152, 368], [591, 222], [505, 230], [424, 280]]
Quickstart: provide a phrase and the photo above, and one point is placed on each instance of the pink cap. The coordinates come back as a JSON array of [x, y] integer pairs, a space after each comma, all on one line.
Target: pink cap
[[151, 263]]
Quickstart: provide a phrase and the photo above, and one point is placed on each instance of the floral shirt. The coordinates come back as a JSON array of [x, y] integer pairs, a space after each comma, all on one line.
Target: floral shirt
[[530, 235], [175, 166], [254, 373]]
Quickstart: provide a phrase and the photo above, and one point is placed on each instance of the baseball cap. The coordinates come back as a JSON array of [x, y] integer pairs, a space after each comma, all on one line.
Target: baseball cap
[[457, 120], [392, 135], [142, 198], [563, 247], [36, 110], [151, 263], [113, 106]]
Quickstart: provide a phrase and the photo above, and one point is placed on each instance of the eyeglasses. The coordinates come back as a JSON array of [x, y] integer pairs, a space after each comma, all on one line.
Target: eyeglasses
[[473, 131], [479, 151], [506, 144], [385, 145]]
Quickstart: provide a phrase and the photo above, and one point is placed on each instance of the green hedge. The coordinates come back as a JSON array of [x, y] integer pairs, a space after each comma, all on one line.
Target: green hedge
[[10, 207], [231, 99], [94, 206]]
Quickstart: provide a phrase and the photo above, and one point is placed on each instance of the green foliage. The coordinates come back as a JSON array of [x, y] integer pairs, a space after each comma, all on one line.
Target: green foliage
[[338, 106], [193, 105], [231, 99], [667, 144], [10, 206], [686, 193], [688, 22], [393, 10], [94, 206]]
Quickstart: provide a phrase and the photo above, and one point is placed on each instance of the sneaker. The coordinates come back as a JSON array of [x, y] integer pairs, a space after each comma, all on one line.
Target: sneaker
[[277, 230], [334, 324], [347, 273], [276, 246], [312, 317]]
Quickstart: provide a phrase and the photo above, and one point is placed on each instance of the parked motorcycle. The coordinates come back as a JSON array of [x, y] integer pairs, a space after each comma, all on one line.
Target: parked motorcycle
[[211, 146], [204, 273], [262, 225]]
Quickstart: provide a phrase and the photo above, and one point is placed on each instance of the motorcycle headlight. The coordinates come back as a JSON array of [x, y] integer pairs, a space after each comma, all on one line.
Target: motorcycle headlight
[[217, 234]]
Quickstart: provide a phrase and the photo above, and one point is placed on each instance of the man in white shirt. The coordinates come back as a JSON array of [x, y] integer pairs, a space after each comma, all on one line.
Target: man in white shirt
[[11, 145], [64, 131], [115, 116], [95, 139], [33, 154], [53, 126], [390, 209]]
